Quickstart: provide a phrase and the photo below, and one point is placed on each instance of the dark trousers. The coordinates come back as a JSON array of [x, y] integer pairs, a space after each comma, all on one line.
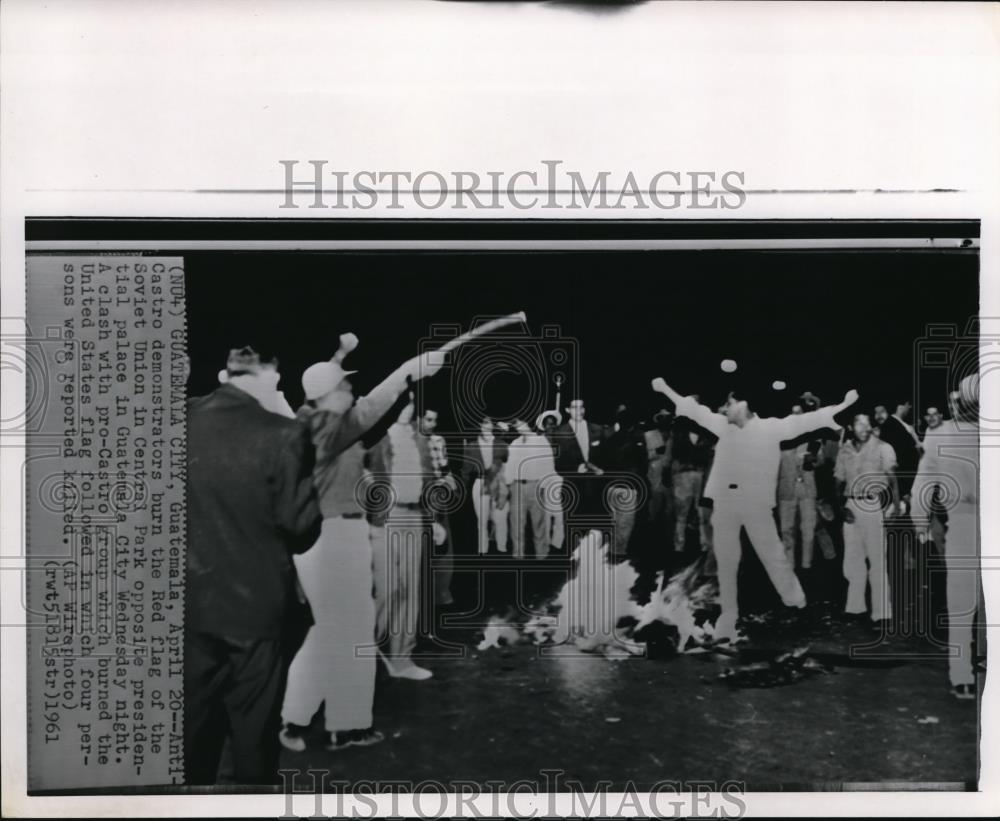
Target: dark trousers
[[235, 687]]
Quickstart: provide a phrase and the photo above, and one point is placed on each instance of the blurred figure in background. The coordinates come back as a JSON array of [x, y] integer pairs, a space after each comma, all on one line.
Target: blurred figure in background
[[442, 489], [659, 455], [933, 420], [952, 449], [692, 454], [400, 530], [529, 462], [625, 459], [797, 492], [483, 473], [551, 487]]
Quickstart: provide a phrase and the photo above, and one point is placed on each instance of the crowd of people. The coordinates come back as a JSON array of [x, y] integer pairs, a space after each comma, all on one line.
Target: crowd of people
[[332, 511]]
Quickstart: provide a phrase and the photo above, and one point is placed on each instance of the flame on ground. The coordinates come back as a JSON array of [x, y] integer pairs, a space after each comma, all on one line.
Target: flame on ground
[[597, 611]]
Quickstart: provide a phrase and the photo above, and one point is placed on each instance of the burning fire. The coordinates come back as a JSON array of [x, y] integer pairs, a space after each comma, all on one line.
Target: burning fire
[[597, 611]]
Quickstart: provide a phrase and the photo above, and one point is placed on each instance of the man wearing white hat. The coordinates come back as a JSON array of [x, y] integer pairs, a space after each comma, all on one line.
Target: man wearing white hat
[[337, 573], [951, 460]]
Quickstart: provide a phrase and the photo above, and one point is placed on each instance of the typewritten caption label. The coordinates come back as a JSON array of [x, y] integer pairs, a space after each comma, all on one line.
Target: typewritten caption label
[[105, 480]]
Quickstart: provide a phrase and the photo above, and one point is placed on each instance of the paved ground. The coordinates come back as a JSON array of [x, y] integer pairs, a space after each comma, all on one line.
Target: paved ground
[[883, 713]]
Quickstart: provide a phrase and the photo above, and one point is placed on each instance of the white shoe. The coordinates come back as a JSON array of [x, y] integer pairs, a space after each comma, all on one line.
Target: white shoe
[[411, 671], [408, 670], [724, 629], [295, 743]]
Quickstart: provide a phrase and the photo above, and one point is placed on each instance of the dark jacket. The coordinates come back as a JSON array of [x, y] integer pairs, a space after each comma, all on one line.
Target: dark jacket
[[250, 505], [568, 456], [624, 451], [894, 433], [687, 454], [473, 467]]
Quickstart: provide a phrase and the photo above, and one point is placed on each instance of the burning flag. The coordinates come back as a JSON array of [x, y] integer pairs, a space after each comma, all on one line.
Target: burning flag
[[597, 610]]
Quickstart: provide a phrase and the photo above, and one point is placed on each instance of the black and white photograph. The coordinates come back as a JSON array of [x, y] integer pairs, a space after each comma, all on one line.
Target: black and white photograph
[[604, 518], [420, 408]]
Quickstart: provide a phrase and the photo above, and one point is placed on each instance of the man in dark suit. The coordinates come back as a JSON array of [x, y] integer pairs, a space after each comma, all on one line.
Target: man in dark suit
[[482, 472], [579, 460], [250, 506]]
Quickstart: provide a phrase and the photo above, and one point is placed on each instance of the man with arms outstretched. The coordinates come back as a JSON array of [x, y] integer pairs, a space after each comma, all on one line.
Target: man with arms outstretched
[[742, 486]]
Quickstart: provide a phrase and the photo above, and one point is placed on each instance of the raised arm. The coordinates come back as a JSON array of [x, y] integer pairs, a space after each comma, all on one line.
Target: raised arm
[[687, 406], [799, 424]]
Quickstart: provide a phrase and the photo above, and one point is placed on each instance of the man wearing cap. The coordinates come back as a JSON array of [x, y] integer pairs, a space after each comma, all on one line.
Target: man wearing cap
[[742, 486], [529, 461], [250, 505], [337, 574], [482, 472], [951, 454]]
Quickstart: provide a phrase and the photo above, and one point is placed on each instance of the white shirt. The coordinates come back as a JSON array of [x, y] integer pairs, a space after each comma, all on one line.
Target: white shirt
[[582, 432], [407, 472], [748, 457], [530, 459], [276, 403], [486, 449]]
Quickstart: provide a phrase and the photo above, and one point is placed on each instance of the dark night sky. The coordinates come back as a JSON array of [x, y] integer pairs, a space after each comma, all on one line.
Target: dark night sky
[[819, 321]]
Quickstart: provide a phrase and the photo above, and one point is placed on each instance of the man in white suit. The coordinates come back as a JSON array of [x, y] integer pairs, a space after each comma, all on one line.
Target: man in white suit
[[742, 486]]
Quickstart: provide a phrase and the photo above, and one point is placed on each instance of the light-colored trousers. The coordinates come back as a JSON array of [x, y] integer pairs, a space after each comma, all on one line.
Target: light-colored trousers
[[864, 539], [525, 507], [397, 551], [336, 664], [962, 588], [731, 513], [805, 505], [486, 512], [554, 522]]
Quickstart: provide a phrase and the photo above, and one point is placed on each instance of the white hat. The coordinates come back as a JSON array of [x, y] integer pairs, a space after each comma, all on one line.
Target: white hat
[[541, 418], [321, 378]]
